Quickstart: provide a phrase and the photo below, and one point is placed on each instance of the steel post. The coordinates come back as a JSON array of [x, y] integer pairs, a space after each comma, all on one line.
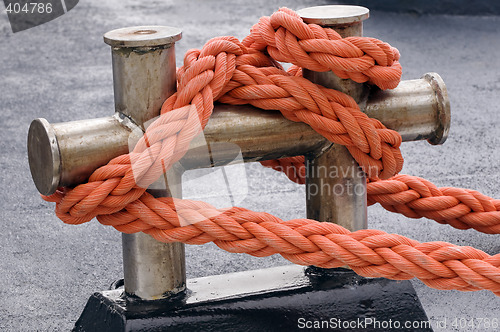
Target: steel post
[[143, 77], [335, 184]]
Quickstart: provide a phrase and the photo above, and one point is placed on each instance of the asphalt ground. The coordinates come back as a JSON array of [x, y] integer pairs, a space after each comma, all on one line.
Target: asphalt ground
[[61, 71]]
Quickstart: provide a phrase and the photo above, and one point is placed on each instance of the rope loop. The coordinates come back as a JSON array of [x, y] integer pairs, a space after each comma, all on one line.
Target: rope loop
[[286, 38]]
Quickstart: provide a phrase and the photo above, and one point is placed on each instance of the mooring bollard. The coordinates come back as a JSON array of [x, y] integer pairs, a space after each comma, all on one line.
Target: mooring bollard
[[143, 77], [66, 154], [340, 198]]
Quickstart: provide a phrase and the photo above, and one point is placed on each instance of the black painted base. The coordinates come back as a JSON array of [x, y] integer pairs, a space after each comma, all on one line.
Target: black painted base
[[278, 299]]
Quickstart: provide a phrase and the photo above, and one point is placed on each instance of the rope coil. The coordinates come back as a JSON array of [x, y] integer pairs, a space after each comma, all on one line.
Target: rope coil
[[247, 72]]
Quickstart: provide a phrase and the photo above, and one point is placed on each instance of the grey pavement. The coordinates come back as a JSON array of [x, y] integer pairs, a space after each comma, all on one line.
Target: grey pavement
[[62, 71]]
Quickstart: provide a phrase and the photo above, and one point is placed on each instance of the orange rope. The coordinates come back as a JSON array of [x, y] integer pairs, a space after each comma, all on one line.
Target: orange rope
[[247, 73], [415, 197]]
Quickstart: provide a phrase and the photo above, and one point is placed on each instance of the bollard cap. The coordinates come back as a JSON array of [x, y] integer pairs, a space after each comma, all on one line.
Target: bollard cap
[[143, 36], [334, 14], [443, 108], [43, 156]]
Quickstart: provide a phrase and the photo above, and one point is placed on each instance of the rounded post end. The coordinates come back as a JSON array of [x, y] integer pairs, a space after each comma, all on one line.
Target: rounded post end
[[143, 36], [443, 108], [43, 156], [334, 15]]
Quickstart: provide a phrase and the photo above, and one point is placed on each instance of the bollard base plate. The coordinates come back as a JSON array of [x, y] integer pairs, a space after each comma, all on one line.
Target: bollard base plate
[[283, 298]]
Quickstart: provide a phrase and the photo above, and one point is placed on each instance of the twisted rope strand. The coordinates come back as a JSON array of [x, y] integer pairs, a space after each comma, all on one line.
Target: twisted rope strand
[[415, 197], [286, 38], [248, 73], [370, 253]]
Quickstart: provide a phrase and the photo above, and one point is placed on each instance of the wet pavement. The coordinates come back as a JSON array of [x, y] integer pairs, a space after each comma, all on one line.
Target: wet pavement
[[61, 71]]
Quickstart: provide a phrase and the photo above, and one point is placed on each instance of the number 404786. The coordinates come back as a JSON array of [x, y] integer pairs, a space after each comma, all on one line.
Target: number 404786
[[29, 8]]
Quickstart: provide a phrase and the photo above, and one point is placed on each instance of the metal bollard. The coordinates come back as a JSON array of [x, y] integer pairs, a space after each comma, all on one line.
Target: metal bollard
[[143, 77], [65, 154], [340, 198]]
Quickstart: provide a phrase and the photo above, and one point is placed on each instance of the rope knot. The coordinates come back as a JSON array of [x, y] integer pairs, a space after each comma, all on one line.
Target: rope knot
[[286, 37]]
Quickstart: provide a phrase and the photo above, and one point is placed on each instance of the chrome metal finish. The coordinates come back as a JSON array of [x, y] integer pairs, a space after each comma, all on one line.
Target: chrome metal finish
[[143, 77], [345, 19], [43, 156], [417, 109], [442, 103], [336, 189], [145, 272], [143, 69], [335, 184], [154, 270], [259, 135], [64, 154], [233, 285], [143, 36]]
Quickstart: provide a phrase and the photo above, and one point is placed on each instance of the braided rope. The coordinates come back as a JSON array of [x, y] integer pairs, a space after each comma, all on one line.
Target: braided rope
[[415, 197], [238, 73], [370, 253], [287, 38]]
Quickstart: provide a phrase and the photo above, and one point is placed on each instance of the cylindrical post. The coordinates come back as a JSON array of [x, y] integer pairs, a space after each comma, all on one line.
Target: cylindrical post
[[335, 184], [143, 77], [65, 154]]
